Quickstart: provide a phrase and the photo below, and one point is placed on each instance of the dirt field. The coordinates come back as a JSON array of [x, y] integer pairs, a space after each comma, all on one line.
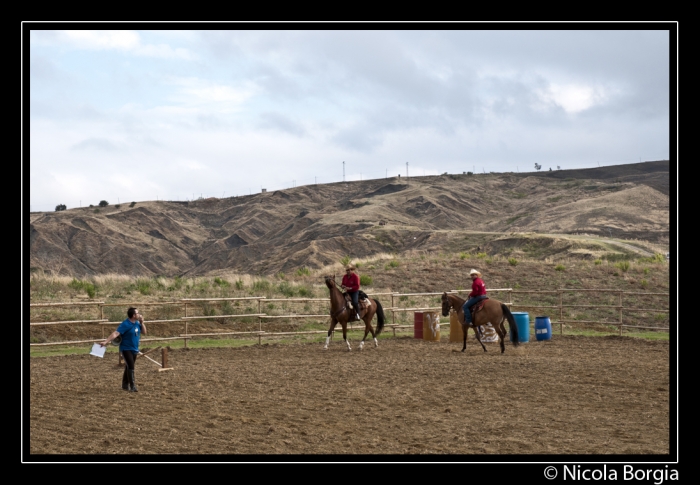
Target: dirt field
[[569, 395]]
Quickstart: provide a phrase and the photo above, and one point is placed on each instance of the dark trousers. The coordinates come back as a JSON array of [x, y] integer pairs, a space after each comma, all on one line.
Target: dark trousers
[[469, 304], [130, 363], [130, 358], [354, 295]]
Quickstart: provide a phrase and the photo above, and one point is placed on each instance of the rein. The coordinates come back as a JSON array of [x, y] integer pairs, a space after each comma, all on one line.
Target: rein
[[344, 307]]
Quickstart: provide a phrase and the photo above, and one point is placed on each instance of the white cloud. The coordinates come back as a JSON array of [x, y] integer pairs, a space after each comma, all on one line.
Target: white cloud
[[574, 98], [121, 40], [101, 39]]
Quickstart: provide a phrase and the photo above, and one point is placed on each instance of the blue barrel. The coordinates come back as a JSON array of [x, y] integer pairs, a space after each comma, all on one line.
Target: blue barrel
[[543, 328], [522, 321]]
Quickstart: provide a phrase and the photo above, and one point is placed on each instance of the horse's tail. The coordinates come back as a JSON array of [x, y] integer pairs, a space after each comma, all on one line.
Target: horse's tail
[[380, 316], [511, 322]]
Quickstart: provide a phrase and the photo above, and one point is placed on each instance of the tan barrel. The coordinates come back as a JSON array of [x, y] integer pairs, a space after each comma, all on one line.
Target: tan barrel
[[456, 333], [431, 326]]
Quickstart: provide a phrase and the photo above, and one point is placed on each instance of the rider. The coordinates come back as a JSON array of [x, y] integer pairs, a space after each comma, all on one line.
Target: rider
[[351, 285], [478, 293]]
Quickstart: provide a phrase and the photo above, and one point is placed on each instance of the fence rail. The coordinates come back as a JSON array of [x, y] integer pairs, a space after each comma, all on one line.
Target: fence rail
[[394, 309]]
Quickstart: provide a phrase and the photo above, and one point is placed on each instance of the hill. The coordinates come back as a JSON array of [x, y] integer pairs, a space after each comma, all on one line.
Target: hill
[[618, 211]]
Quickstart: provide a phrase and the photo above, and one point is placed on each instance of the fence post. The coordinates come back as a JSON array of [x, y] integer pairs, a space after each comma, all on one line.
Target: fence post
[[393, 313], [561, 312], [620, 303]]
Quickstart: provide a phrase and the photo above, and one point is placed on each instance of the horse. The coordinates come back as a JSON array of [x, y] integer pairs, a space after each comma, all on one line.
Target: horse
[[340, 313], [493, 311]]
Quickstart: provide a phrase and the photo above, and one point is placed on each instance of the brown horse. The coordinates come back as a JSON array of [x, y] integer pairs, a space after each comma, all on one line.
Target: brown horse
[[340, 313], [493, 312]]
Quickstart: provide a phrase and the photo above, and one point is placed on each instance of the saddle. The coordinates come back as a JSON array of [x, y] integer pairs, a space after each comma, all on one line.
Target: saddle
[[362, 300], [478, 306]]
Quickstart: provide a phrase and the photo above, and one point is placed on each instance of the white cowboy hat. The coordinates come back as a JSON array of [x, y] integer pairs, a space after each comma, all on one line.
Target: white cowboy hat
[[473, 271]]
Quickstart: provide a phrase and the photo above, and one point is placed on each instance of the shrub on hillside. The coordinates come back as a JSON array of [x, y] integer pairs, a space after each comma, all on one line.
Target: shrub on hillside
[[132, 204], [286, 289], [559, 267], [103, 203], [60, 207], [261, 285], [365, 280], [221, 282], [623, 265], [513, 261]]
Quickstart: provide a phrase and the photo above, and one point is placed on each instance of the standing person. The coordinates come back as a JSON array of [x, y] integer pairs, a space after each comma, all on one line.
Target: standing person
[[130, 330], [478, 293], [351, 285]]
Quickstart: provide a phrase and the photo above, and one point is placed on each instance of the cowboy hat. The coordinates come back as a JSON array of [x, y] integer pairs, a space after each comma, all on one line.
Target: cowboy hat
[[473, 271], [350, 267]]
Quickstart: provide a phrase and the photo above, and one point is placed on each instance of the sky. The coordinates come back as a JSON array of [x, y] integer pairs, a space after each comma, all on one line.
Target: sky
[[137, 115]]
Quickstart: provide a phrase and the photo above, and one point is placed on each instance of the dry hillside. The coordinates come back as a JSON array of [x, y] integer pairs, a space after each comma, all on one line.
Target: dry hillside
[[583, 213]]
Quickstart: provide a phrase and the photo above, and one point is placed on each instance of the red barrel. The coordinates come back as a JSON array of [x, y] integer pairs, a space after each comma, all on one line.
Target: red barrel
[[418, 325]]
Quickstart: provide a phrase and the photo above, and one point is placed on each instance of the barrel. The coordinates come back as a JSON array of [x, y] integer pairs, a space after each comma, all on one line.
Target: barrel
[[522, 321], [418, 325], [456, 332], [543, 328], [431, 326], [488, 333]]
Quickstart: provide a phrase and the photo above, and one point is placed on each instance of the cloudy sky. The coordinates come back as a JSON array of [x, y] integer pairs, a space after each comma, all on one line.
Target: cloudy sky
[[135, 115]]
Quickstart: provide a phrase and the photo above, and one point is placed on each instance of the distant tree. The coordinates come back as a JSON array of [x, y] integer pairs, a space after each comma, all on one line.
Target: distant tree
[[104, 203], [132, 204], [60, 207], [558, 167], [550, 169], [470, 173], [538, 166]]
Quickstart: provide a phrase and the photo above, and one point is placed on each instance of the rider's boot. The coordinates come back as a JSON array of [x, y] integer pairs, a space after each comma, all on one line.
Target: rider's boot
[[125, 379], [133, 382]]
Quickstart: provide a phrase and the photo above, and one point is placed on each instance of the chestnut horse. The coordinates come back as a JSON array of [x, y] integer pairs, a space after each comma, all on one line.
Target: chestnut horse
[[493, 311], [340, 313]]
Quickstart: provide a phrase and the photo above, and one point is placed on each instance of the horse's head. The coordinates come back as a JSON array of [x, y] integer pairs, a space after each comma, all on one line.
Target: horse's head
[[330, 281], [445, 305]]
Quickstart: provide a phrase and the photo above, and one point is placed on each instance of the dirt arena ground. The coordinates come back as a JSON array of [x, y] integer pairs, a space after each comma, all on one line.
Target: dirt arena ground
[[569, 395]]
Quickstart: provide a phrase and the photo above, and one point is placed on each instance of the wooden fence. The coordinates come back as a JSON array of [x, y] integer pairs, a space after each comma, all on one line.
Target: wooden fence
[[186, 318]]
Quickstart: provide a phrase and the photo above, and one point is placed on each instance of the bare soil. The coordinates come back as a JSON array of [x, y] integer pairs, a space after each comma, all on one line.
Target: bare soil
[[568, 395]]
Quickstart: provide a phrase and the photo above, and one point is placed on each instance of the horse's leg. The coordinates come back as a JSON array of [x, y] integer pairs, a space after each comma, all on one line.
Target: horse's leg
[[345, 333], [476, 331], [501, 330], [465, 327], [370, 316], [334, 322], [367, 328]]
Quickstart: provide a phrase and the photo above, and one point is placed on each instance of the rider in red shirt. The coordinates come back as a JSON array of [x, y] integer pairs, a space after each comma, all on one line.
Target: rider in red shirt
[[478, 293], [351, 285]]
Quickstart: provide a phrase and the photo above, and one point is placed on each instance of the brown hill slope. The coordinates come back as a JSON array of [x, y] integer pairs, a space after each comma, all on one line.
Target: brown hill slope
[[538, 214]]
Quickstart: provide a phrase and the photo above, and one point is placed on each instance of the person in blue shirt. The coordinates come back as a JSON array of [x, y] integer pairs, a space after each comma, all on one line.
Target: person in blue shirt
[[130, 330]]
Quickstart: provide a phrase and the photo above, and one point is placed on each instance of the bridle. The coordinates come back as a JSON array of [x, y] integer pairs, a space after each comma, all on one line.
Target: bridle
[[344, 307]]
